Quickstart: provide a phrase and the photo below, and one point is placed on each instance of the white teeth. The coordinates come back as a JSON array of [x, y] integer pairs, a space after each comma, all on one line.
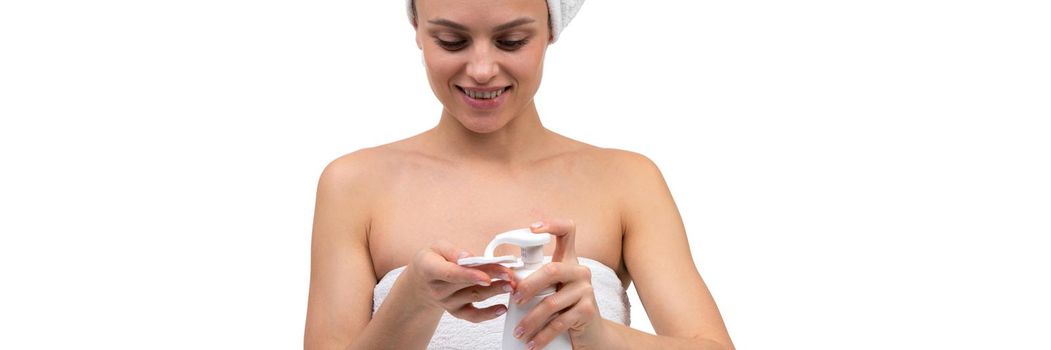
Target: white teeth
[[483, 95]]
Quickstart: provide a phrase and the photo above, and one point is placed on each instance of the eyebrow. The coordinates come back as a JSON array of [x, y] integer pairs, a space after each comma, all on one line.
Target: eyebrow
[[505, 26]]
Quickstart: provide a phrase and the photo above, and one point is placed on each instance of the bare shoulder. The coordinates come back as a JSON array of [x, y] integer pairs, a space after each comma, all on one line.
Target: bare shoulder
[[355, 170], [623, 167], [627, 161], [633, 179], [370, 166]]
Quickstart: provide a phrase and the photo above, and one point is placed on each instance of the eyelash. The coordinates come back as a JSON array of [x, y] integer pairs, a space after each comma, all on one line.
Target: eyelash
[[506, 45]]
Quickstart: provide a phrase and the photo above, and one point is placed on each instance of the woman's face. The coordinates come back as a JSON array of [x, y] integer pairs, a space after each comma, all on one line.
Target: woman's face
[[484, 59]]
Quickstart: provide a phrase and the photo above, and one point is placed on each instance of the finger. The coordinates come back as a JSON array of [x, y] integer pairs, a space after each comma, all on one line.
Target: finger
[[557, 326], [443, 266], [565, 238], [438, 271], [548, 275], [495, 271], [477, 293], [449, 251], [452, 253], [472, 314], [551, 307]]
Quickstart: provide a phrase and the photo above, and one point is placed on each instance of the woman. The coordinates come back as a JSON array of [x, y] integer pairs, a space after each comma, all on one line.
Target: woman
[[392, 220]]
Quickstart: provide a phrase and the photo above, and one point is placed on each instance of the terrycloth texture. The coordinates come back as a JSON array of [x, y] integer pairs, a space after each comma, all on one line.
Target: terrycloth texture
[[561, 12], [456, 334]]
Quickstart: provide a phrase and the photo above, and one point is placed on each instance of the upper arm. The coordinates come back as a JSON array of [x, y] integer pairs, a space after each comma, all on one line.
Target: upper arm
[[676, 299], [341, 274]]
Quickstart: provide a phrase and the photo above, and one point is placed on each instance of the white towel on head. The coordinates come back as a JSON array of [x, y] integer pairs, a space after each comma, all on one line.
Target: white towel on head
[[561, 13]]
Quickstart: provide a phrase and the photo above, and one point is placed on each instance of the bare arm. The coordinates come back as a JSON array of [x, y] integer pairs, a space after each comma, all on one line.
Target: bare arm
[[677, 301], [339, 307]]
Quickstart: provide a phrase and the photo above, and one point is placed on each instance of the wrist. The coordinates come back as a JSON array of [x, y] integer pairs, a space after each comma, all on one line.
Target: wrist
[[613, 336], [605, 335], [416, 293]]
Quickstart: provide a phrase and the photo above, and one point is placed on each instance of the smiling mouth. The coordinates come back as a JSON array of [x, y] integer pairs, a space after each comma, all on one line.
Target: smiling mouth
[[487, 94]]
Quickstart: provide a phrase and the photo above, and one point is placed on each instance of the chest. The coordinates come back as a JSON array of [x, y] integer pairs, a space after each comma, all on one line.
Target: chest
[[467, 210]]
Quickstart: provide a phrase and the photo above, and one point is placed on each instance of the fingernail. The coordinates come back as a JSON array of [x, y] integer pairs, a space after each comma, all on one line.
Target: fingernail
[[537, 224], [531, 345], [519, 331], [503, 276], [507, 287], [464, 255], [483, 283], [517, 297], [500, 311]]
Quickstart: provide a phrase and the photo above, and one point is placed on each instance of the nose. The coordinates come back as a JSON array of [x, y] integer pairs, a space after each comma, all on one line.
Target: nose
[[482, 65]]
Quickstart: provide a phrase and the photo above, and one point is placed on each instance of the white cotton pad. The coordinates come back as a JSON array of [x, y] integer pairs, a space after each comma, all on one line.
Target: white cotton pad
[[482, 260]]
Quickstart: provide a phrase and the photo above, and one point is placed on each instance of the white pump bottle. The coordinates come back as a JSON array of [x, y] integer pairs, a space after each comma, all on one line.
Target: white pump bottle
[[532, 258]]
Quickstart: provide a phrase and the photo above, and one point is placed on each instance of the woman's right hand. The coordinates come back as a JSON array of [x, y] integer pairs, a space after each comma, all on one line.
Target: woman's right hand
[[438, 280]]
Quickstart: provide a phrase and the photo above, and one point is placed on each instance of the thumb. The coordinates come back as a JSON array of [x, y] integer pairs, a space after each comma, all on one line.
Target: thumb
[[565, 238], [449, 251]]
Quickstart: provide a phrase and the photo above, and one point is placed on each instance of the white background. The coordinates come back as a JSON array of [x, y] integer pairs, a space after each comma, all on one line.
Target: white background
[[852, 175]]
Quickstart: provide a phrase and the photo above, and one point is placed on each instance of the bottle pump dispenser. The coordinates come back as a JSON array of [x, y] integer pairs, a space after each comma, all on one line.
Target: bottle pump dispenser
[[532, 258]]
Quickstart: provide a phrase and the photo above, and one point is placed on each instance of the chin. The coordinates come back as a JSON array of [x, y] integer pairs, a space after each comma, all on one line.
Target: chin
[[483, 124]]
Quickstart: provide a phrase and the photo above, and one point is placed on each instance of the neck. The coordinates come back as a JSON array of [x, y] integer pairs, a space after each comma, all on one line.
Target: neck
[[515, 143]]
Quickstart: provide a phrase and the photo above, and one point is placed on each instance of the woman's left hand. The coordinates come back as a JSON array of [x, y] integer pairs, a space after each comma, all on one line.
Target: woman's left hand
[[572, 308]]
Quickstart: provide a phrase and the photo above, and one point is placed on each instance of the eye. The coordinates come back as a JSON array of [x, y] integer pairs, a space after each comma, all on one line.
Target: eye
[[452, 45], [511, 45]]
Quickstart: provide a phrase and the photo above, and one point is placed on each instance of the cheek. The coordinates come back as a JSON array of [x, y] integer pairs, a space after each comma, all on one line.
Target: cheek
[[527, 68], [440, 69]]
